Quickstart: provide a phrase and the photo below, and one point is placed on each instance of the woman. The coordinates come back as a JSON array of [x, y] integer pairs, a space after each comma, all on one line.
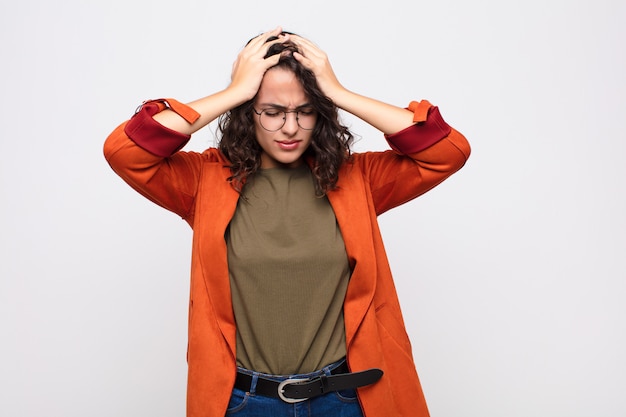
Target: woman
[[293, 309]]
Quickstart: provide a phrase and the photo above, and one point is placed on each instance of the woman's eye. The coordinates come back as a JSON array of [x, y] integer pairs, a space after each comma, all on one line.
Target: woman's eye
[[273, 113], [307, 112]]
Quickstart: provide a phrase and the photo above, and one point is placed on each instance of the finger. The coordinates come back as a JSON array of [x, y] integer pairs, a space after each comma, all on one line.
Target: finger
[[268, 34], [263, 37], [301, 39], [306, 62], [261, 50], [274, 32], [304, 42], [269, 62], [309, 49], [300, 57]]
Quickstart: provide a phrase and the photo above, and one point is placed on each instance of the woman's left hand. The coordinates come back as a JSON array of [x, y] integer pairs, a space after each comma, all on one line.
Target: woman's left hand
[[384, 117], [316, 60]]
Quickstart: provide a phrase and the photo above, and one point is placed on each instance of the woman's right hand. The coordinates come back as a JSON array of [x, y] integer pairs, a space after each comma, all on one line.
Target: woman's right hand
[[247, 74], [250, 65]]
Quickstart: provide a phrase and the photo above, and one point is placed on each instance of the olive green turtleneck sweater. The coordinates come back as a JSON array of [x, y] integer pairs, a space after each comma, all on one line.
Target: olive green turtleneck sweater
[[288, 273]]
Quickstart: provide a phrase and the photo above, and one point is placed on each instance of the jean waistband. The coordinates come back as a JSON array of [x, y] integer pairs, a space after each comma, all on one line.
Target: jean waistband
[[301, 387], [327, 370]]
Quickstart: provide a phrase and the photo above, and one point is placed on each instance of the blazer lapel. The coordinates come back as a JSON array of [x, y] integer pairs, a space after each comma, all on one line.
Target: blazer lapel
[[352, 209], [215, 209]]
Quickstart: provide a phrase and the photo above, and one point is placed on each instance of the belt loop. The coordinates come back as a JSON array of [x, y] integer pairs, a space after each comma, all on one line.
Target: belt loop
[[325, 385], [255, 378]]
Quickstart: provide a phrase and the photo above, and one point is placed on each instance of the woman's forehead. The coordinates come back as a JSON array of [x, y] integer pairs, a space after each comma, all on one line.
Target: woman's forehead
[[281, 87]]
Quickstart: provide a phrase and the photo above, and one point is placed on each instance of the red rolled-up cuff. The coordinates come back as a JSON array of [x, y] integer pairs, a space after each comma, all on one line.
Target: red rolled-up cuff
[[153, 136], [422, 134]]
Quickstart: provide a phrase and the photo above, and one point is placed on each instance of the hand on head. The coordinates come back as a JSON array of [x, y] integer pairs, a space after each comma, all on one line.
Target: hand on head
[[252, 62], [316, 60]]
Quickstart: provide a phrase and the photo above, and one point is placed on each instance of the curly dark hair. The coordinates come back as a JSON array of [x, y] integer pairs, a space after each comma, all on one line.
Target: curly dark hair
[[330, 144]]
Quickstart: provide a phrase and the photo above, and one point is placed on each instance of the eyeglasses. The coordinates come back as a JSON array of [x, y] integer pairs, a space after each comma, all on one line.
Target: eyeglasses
[[273, 119]]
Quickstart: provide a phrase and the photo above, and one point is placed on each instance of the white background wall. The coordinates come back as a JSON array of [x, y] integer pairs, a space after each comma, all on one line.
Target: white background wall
[[512, 274]]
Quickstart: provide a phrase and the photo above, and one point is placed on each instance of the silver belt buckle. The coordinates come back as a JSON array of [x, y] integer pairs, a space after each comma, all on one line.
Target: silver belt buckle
[[281, 390]]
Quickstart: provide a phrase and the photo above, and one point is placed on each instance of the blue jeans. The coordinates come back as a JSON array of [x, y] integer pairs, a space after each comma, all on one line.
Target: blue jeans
[[333, 404]]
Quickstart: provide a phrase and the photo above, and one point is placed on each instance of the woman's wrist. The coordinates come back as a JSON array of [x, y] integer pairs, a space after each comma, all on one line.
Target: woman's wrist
[[340, 96]]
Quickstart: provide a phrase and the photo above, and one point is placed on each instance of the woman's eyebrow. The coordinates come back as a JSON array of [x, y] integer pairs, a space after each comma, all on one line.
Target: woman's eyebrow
[[281, 107]]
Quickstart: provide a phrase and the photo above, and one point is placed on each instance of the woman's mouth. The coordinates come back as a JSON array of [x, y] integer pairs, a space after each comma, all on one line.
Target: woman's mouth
[[288, 145]]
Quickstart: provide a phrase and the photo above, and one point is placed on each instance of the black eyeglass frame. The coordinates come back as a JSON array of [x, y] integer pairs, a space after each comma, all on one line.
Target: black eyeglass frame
[[284, 118]]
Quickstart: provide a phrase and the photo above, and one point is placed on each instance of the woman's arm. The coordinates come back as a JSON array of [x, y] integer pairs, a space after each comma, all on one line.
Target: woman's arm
[[426, 150], [246, 77], [385, 117], [144, 151]]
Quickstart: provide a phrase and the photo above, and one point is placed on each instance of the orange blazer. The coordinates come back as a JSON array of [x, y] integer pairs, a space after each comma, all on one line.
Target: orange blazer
[[194, 186]]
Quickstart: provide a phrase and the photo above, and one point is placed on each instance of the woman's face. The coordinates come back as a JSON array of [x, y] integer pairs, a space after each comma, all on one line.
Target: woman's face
[[281, 90]]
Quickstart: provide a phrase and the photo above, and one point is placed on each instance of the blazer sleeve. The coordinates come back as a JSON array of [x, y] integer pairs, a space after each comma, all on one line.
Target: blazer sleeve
[[147, 156], [422, 156]]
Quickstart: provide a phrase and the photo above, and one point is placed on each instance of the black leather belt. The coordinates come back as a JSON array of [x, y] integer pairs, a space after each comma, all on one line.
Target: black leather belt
[[294, 390]]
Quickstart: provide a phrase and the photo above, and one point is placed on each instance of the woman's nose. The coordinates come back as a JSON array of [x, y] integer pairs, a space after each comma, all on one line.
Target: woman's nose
[[291, 122]]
